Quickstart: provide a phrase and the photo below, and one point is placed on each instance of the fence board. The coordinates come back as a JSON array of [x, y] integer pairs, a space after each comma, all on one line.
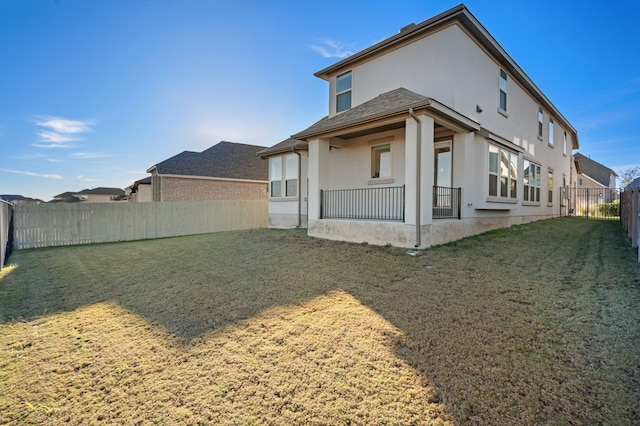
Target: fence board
[[5, 229], [44, 225]]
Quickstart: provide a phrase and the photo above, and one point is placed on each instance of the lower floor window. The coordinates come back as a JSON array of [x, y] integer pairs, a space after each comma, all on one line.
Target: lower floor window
[[283, 176], [550, 180], [381, 161], [503, 173], [531, 179]]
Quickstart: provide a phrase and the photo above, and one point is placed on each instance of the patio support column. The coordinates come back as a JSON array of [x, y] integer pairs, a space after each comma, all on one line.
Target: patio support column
[[425, 163], [318, 168]]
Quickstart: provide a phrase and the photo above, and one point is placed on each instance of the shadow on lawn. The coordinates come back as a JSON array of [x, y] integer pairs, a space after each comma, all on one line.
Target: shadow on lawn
[[503, 331]]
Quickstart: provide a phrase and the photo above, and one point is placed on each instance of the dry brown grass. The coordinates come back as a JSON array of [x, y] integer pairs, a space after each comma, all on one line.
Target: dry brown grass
[[536, 324]]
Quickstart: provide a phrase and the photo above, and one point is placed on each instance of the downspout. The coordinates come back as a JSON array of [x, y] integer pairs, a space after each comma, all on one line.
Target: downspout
[[418, 155], [299, 187]]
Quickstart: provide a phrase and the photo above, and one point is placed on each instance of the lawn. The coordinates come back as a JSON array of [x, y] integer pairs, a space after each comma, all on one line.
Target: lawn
[[535, 324]]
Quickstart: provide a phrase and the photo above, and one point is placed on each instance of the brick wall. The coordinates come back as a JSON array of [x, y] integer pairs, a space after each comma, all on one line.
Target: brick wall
[[183, 189]]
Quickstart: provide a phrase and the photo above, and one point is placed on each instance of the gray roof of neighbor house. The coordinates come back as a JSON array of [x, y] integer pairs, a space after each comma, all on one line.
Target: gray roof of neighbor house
[[462, 15], [593, 169], [286, 145], [19, 198], [101, 190], [228, 160], [394, 103]]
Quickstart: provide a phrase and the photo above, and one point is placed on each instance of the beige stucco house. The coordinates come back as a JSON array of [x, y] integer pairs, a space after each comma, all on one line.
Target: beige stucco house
[[140, 191], [432, 135], [225, 171], [100, 194]]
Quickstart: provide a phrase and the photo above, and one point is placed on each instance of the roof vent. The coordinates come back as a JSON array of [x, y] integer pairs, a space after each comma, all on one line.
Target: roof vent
[[407, 27]]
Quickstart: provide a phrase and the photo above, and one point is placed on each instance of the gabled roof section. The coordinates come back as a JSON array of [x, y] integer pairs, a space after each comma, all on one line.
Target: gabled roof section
[[596, 171], [287, 145], [101, 191], [464, 17], [226, 160], [394, 103]]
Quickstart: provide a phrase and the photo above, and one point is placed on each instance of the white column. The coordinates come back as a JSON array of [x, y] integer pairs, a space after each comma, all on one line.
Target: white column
[[318, 168], [425, 163], [428, 171]]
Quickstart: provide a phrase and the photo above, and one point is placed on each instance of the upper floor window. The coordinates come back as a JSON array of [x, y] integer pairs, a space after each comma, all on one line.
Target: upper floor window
[[343, 92], [540, 119], [550, 132], [564, 144], [381, 161], [503, 90], [503, 173]]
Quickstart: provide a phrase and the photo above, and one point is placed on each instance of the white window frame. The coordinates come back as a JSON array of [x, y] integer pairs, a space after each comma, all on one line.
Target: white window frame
[[531, 182], [376, 162], [551, 131], [504, 185], [564, 144], [344, 91], [283, 170], [502, 100], [540, 123], [550, 187]]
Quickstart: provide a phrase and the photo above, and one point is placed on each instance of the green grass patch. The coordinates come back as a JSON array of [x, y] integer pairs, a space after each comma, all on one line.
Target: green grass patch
[[535, 324]]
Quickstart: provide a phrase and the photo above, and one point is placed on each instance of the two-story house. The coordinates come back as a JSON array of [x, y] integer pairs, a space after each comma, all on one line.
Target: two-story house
[[433, 134]]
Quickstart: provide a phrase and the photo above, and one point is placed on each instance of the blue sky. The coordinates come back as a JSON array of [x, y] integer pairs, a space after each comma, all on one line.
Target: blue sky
[[94, 92]]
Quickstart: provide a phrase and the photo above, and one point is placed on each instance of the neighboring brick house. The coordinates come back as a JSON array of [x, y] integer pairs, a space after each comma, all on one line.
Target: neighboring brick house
[[226, 171]]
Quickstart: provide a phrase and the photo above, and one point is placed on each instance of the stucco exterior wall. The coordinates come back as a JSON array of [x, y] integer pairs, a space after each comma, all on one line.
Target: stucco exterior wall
[[142, 195], [98, 198], [185, 189], [437, 66], [291, 212]]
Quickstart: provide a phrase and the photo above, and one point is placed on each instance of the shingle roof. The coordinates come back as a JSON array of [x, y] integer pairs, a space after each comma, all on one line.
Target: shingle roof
[[101, 190], [227, 160], [394, 103], [284, 146], [593, 169]]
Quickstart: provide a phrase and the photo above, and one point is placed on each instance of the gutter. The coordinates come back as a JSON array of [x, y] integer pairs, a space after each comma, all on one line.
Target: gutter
[[418, 155], [299, 186]]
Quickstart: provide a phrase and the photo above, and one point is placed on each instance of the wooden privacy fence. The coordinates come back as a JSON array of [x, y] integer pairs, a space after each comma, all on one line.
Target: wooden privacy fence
[[5, 231], [44, 225], [630, 212]]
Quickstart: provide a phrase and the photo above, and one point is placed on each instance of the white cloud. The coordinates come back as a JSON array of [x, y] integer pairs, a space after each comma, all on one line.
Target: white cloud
[[42, 175], [56, 132], [53, 145], [331, 49], [54, 137], [62, 125], [89, 155], [85, 179]]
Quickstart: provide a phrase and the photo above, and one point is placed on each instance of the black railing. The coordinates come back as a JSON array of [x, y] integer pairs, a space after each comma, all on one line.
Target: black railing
[[386, 203], [446, 202]]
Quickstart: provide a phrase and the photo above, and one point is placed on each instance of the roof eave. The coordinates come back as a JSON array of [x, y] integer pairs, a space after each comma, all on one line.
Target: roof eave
[[466, 18], [442, 114]]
